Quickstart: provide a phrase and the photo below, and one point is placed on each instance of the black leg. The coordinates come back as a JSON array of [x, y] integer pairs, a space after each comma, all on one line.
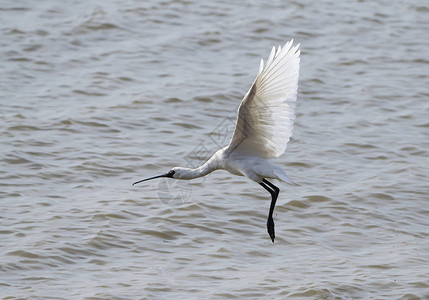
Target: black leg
[[274, 191]]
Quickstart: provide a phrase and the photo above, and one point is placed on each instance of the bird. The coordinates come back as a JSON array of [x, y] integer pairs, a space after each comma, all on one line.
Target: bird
[[263, 128]]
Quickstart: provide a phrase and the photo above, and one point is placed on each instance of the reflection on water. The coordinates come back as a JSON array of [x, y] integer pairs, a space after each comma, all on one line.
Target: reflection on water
[[95, 95]]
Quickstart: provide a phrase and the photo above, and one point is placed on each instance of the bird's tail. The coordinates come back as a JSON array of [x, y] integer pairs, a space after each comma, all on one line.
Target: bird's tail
[[281, 175]]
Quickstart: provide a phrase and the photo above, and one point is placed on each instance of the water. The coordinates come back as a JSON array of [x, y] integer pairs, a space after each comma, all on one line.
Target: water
[[96, 95]]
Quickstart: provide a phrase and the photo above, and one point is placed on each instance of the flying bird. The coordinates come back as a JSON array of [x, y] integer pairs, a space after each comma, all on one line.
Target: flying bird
[[263, 129]]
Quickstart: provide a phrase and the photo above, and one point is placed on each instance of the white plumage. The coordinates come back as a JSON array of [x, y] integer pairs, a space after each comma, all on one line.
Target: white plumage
[[267, 112], [264, 126]]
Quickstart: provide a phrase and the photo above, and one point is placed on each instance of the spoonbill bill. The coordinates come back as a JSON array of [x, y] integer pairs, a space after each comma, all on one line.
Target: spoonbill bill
[[263, 129]]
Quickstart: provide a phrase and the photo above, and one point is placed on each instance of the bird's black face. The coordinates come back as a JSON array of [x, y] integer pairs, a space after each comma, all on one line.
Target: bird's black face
[[168, 175]]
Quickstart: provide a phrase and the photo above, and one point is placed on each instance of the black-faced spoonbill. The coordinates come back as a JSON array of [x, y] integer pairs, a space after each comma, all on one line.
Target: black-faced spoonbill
[[264, 126]]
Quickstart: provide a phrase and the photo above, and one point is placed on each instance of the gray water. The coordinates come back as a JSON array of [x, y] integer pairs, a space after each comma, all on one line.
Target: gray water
[[95, 95]]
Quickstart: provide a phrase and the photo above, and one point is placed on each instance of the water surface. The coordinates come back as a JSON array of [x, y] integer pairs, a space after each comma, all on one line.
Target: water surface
[[95, 95]]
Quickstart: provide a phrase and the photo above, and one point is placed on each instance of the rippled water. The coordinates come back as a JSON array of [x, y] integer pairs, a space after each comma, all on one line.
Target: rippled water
[[95, 95]]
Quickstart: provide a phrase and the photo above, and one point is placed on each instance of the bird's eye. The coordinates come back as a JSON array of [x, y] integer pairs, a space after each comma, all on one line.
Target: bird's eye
[[171, 173]]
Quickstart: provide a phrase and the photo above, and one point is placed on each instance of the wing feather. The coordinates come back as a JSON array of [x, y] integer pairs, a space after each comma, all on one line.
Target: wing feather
[[267, 112], [261, 66]]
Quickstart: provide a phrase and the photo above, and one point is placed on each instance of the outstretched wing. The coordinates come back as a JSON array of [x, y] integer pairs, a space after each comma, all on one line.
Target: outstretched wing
[[267, 112]]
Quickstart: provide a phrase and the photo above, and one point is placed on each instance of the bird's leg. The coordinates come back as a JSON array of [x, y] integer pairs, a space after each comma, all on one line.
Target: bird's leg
[[274, 191]]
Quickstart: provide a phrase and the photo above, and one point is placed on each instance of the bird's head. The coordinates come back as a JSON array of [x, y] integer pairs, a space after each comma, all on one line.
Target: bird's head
[[170, 174], [177, 173]]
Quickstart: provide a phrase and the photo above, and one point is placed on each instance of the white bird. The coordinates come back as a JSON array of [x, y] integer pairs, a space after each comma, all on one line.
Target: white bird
[[264, 126]]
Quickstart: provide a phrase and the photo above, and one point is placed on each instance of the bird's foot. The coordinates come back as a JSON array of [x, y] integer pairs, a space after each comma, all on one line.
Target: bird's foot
[[270, 228]]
